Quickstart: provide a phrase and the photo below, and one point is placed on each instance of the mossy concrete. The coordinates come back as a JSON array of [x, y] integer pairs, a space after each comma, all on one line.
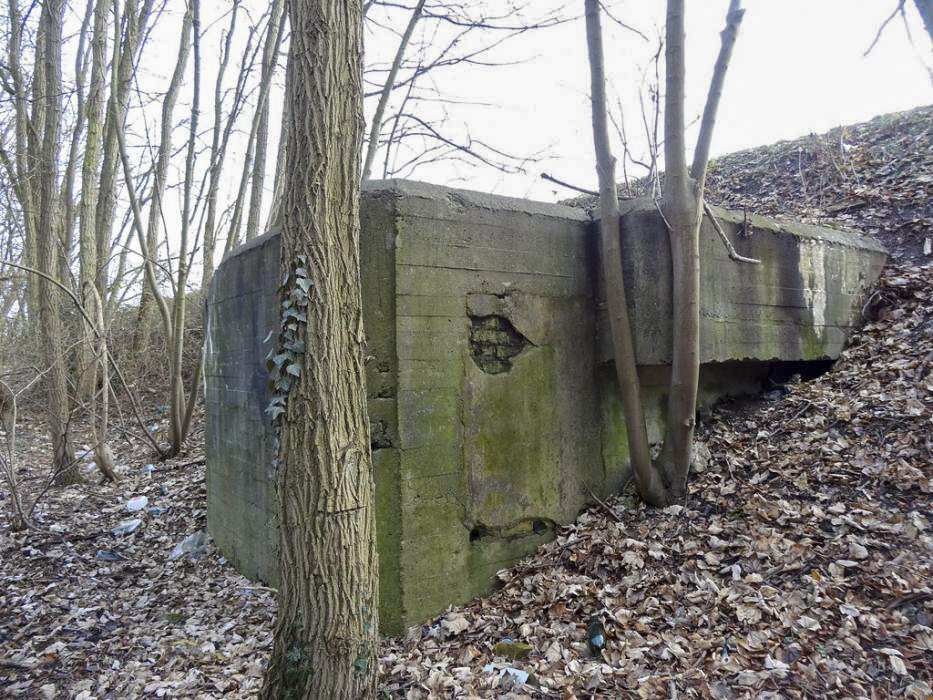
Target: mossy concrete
[[492, 396]]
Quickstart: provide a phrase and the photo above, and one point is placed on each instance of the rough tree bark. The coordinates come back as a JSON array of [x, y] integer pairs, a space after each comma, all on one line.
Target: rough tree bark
[[620, 325], [50, 324], [87, 244], [326, 630]]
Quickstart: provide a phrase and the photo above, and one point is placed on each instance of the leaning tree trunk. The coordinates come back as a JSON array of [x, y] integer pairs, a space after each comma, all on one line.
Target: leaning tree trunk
[[326, 630], [623, 346]]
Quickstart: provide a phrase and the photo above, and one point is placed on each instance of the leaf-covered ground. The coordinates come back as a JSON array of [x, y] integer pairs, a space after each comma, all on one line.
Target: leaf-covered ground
[[800, 565]]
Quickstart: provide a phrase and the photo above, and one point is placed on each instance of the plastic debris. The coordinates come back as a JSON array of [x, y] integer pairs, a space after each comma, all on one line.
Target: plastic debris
[[126, 527], [518, 676], [148, 469], [106, 555], [137, 503], [596, 636], [193, 546]]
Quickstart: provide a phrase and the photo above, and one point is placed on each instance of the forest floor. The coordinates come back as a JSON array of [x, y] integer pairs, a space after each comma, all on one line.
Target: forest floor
[[801, 564]]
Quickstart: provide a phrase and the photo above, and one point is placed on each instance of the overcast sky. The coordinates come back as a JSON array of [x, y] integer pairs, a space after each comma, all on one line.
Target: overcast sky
[[798, 67]]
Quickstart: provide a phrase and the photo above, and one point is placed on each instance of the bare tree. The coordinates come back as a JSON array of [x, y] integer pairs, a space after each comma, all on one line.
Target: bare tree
[[665, 481], [620, 325], [224, 124], [326, 628], [173, 320], [149, 245], [925, 8], [87, 242], [375, 127], [48, 237], [270, 57], [126, 47]]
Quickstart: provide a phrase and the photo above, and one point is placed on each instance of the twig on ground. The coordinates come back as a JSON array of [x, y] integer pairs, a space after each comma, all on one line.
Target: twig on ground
[[783, 429], [602, 504]]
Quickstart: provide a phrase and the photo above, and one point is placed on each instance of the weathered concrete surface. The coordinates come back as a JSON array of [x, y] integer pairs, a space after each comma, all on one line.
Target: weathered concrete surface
[[491, 391]]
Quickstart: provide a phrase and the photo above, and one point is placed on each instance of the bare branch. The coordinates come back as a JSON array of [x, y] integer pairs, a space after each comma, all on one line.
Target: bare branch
[[97, 331], [551, 178], [897, 10], [704, 140], [375, 126], [733, 254]]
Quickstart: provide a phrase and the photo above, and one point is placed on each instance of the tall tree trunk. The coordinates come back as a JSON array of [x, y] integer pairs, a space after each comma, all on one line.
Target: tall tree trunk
[[274, 219], [50, 324], [123, 67], [270, 59], [620, 325], [375, 127], [221, 138], [925, 8], [87, 244], [274, 35], [163, 154], [682, 204], [682, 212], [326, 629], [179, 418], [34, 144]]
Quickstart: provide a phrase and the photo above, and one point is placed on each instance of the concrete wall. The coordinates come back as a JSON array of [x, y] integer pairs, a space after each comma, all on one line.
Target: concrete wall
[[491, 393]]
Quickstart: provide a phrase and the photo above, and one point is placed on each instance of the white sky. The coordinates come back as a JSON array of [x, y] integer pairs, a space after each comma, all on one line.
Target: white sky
[[797, 68]]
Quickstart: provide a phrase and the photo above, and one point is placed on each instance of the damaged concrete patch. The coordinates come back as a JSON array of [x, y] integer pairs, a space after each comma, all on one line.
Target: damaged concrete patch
[[521, 528], [494, 342]]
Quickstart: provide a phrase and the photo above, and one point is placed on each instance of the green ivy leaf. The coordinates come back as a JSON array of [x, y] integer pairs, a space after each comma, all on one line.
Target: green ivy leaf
[[360, 665], [275, 411], [283, 384]]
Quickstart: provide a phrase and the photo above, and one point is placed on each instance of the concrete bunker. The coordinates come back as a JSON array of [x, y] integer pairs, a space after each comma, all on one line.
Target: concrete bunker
[[491, 390]]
